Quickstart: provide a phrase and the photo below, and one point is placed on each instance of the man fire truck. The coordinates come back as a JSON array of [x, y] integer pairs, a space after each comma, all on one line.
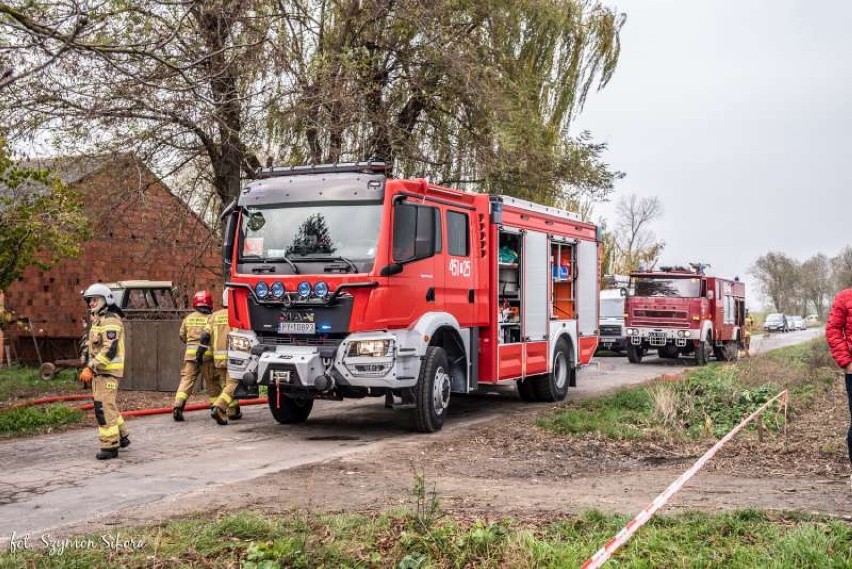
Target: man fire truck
[[679, 310], [345, 283]]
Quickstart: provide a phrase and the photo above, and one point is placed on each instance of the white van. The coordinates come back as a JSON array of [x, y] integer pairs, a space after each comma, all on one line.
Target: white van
[[612, 320]]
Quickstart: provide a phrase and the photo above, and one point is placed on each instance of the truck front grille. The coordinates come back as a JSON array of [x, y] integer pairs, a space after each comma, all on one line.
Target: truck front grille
[[297, 340], [610, 330]]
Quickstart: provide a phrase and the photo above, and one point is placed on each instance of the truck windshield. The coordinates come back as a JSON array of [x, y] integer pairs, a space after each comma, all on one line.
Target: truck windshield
[[681, 288], [612, 308], [333, 232]]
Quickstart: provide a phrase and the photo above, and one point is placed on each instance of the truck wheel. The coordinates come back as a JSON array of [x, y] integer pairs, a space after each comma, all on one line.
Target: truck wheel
[[635, 353], [432, 392], [554, 386], [703, 351], [525, 390], [288, 410]]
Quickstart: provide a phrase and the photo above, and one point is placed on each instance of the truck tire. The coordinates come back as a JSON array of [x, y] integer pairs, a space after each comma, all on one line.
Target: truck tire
[[432, 392], [554, 385], [526, 392], [635, 353], [288, 411], [703, 351]]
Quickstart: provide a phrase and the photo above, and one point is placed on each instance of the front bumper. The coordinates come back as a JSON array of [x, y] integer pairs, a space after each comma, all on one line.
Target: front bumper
[[661, 336], [302, 367]]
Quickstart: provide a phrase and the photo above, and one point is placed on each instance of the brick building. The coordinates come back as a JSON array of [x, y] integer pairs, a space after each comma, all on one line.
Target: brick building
[[141, 230]]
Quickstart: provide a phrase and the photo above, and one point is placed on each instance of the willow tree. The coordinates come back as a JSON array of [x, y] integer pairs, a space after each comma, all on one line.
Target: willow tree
[[478, 94]]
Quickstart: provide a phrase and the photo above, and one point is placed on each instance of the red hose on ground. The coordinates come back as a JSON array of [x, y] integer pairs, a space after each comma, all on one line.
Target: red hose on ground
[[195, 407], [54, 399]]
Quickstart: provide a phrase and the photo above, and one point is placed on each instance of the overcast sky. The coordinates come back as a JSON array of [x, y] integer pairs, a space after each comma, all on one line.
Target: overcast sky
[[738, 115]]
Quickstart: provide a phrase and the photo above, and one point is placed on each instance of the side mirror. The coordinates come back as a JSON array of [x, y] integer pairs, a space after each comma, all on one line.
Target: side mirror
[[228, 242], [390, 270]]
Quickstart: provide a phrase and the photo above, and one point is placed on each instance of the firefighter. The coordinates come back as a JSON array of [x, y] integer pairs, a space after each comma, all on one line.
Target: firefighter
[[225, 406], [197, 358], [749, 324], [105, 367]]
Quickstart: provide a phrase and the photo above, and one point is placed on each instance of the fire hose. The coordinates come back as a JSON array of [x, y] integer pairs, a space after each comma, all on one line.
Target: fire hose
[[133, 413]]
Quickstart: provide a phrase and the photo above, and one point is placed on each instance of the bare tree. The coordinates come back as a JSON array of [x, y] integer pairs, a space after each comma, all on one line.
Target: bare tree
[[815, 284], [842, 269], [779, 277], [32, 39], [633, 242]]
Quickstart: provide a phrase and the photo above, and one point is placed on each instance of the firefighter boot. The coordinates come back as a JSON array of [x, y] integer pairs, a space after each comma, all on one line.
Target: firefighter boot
[[235, 413], [218, 415], [177, 412], [124, 441], [107, 453]]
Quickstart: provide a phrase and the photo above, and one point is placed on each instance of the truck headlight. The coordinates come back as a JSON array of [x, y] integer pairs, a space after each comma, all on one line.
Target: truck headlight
[[370, 348], [238, 343]]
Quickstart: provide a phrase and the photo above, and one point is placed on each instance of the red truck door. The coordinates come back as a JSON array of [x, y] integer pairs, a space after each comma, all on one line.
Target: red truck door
[[459, 270], [416, 246]]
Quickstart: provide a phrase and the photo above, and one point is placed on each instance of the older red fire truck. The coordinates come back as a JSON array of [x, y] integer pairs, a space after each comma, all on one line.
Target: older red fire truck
[[345, 283], [679, 310]]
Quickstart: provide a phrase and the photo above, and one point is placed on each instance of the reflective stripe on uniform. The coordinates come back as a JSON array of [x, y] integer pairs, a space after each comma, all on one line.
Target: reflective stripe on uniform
[[111, 385], [219, 357], [213, 400], [119, 421], [114, 366], [107, 432], [182, 395], [196, 321], [226, 398]]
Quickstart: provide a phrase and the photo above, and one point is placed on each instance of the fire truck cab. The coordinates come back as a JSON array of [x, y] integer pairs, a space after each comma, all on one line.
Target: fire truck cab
[[679, 310], [344, 283]]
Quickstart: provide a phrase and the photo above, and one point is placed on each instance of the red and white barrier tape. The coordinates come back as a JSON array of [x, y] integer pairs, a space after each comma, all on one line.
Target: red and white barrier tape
[[604, 553]]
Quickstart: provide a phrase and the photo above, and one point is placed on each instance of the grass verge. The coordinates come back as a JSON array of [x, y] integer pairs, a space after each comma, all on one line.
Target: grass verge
[[709, 401], [29, 420], [740, 539], [18, 383]]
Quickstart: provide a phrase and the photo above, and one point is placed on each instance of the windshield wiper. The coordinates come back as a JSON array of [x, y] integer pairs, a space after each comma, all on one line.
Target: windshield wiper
[[286, 260], [349, 263]]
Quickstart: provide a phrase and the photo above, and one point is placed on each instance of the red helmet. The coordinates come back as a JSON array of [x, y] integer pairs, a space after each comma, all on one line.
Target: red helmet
[[202, 298]]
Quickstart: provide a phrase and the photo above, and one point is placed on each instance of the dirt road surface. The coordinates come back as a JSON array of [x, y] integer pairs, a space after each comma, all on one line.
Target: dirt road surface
[[349, 455]]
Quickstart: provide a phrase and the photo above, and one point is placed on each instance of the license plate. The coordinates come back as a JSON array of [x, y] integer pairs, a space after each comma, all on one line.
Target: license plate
[[297, 328], [279, 376]]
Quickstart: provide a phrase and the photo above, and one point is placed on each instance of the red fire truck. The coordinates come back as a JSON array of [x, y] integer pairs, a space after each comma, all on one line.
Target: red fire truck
[[345, 283], [679, 310]]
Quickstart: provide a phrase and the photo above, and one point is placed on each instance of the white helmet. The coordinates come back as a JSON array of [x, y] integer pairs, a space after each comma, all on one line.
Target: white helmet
[[99, 289], [225, 297]]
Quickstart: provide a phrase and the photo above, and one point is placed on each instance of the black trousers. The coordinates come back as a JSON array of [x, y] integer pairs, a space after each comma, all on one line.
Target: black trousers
[[849, 432]]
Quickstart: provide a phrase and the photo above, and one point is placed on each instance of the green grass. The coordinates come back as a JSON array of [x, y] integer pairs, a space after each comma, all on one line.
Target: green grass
[[710, 400], [25, 382], [37, 419], [622, 415], [741, 539]]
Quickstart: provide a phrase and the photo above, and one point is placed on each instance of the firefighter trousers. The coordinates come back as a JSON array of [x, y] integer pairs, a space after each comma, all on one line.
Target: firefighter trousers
[[189, 375], [110, 422], [226, 402]]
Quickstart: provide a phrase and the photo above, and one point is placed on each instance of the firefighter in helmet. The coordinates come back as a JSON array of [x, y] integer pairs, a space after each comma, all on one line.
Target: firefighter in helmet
[[225, 407], [195, 332], [104, 356]]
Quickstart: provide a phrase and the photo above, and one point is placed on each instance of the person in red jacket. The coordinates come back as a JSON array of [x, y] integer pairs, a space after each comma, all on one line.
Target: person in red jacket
[[838, 334]]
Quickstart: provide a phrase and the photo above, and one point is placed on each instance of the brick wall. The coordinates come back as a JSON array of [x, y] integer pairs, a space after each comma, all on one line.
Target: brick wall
[[141, 231]]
